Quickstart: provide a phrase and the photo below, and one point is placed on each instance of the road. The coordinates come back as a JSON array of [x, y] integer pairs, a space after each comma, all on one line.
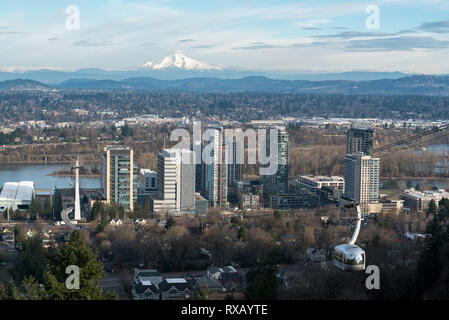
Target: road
[[113, 283], [65, 217]]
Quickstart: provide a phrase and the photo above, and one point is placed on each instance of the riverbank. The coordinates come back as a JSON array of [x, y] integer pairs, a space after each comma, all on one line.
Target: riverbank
[[59, 173]]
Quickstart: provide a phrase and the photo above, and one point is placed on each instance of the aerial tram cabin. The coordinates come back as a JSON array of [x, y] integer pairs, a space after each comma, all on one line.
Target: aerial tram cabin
[[349, 256]]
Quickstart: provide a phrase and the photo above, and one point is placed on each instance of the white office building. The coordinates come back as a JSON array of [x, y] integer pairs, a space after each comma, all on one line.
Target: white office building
[[175, 181]]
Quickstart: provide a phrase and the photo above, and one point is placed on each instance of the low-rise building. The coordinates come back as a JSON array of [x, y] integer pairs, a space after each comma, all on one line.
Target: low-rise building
[[17, 195], [145, 284], [314, 183], [316, 255], [250, 186], [294, 200], [392, 206], [228, 276], [248, 201], [418, 201], [145, 290], [330, 194], [176, 289], [199, 281]]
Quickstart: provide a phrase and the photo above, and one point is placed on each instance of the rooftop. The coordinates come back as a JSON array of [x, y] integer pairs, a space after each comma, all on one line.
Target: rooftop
[[17, 191], [323, 178], [176, 280]]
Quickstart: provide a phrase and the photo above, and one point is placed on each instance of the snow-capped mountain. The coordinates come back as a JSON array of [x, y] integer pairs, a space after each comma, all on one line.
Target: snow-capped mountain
[[179, 61]]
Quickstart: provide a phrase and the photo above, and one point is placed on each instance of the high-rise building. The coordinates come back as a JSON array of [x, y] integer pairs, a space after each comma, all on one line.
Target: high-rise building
[[362, 178], [119, 176], [175, 181], [216, 172], [360, 140], [148, 178], [278, 182], [197, 148], [187, 181], [235, 169]]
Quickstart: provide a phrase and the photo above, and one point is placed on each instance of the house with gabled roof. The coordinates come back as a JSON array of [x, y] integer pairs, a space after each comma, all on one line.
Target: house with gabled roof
[[176, 289], [228, 276], [145, 290]]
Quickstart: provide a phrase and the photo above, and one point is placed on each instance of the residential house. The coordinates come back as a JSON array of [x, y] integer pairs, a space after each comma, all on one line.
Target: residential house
[[176, 289]]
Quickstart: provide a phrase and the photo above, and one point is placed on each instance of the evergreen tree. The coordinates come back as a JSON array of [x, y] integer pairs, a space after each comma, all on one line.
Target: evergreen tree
[[242, 235], [262, 280], [35, 209], [429, 263], [31, 289], [432, 207], [47, 211], [75, 253], [57, 206], [32, 260], [170, 223]]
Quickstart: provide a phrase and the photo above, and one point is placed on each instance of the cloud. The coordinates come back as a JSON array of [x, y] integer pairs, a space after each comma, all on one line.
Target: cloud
[[186, 40], [355, 34], [53, 39], [148, 44], [257, 46], [435, 27], [10, 32], [407, 31], [205, 46], [311, 28], [397, 44], [88, 43]]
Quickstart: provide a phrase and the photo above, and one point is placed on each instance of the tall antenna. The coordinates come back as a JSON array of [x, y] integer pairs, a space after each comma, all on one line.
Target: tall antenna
[[77, 190]]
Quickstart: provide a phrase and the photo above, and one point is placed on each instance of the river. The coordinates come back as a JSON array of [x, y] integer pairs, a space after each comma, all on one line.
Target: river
[[39, 174]]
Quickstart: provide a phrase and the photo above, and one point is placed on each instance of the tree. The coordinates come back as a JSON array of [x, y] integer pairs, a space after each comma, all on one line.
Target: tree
[[35, 209], [432, 207], [97, 210], [262, 280], [32, 261], [429, 263], [31, 289], [242, 235], [170, 223], [202, 292], [75, 253], [47, 210], [58, 206]]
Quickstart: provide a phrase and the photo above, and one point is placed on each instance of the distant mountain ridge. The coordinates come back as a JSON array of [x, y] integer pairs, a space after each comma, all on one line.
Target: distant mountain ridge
[[22, 84], [412, 85]]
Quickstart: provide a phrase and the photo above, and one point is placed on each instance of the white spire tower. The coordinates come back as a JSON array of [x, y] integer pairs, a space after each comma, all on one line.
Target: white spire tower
[[77, 191]]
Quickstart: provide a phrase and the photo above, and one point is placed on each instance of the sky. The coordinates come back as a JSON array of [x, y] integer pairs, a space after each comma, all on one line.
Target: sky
[[314, 36]]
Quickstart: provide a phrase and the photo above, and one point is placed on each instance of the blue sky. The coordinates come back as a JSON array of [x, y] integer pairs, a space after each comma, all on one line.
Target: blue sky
[[307, 35]]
